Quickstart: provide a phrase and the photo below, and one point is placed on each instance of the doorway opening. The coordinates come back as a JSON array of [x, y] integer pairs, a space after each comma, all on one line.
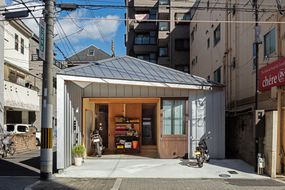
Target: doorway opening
[[101, 121], [148, 124]]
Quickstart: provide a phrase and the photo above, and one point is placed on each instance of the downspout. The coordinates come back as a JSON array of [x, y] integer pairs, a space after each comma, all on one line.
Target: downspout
[[226, 55]]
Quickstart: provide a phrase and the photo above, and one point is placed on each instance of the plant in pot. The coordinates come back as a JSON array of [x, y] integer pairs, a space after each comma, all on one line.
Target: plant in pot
[[78, 152]]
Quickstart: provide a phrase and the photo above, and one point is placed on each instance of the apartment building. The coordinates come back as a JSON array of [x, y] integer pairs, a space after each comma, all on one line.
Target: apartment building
[[163, 42], [21, 95], [223, 49]]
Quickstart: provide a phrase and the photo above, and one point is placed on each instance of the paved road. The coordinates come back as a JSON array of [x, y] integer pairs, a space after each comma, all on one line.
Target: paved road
[[158, 184]]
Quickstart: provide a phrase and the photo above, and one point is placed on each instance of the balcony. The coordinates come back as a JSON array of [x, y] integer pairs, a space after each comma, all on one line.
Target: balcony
[[142, 5], [165, 61], [144, 48], [145, 26], [17, 96]]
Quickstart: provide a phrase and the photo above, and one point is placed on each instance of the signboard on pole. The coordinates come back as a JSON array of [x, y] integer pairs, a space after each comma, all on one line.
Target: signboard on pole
[[42, 40], [272, 75]]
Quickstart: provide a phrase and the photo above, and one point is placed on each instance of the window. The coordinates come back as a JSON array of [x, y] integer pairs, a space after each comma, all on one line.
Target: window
[[22, 46], [192, 36], [164, 2], [163, 26], [208, 43], [91, 52], [174, 117], [182, 17], [152, 14], [217, 35], [146, 38], [269, 43], [10, 128], [163, 52], [22, 128], [16, 42], [217, 75], [181, 44], [148, 57]]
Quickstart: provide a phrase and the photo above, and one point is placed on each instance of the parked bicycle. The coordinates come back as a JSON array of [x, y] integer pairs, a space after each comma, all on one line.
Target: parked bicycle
[[7, 145]]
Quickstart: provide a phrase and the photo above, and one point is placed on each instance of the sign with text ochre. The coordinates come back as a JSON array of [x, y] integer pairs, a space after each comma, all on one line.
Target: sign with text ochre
[[272, 75]]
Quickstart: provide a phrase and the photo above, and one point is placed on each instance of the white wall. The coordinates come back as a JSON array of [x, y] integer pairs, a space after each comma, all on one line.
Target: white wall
[[11, 55]]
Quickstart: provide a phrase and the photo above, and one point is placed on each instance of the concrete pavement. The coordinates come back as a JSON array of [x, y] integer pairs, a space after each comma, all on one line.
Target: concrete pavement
[[160, 168]]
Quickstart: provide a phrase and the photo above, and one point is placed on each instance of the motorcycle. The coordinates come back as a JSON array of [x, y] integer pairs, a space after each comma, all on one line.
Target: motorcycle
[[202, 152], [7, 146], [97, 142]]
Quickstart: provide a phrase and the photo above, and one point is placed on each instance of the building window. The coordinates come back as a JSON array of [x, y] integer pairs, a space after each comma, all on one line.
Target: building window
[[91, 52], [22, 46], [181, 44], [182, 17], [148, 57], [217, 34], [217, 75], [152, 14], [163, 52], [192, 36], [174, 117], [164, 2], [208, 43], [163, 26], [269, 43], [147, 38], [16, 42]]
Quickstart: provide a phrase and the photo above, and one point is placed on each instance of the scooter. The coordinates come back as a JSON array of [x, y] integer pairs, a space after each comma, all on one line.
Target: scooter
[[7, 146], [96, 140], [202, 152]]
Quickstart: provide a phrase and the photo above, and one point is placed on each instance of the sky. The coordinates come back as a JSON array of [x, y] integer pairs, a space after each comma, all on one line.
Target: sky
[[83, 33]]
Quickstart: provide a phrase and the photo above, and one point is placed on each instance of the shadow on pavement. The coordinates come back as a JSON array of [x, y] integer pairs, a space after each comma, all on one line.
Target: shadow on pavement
[[13, 169]]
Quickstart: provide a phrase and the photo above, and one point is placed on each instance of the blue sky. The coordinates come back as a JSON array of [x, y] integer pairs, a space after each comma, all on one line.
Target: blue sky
[[82, 33]]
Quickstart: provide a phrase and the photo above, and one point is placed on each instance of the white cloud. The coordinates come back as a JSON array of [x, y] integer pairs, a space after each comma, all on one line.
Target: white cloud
[[104, 28]]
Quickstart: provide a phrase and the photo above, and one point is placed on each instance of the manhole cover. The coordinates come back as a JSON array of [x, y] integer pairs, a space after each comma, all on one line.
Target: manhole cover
[[232, 172], [224, 175]]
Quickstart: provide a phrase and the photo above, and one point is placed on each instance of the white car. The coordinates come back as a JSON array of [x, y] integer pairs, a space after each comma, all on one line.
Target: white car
[[16, 128]]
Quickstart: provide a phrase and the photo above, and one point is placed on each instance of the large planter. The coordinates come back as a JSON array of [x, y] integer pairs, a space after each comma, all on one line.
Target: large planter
[[77, 161]]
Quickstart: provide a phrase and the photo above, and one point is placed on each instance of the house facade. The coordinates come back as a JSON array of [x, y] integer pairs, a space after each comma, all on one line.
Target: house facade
[[21, 96], [224, 50], [143, 109]]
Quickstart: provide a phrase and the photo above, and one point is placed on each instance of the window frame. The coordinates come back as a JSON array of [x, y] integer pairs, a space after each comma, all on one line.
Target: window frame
[[22, 46], [184, 119], [272, 40], [218, 72], [16, 38], [217, 30]]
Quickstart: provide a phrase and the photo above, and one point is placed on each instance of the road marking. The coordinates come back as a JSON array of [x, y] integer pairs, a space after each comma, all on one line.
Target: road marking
[[30, 187], [117, 184]]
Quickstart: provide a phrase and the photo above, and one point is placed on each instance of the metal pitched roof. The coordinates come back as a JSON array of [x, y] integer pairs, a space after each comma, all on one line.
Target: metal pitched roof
[[133, 69]]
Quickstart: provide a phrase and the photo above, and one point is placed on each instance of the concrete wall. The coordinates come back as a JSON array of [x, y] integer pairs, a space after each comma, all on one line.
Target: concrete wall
[[1, 70], [270, 143]]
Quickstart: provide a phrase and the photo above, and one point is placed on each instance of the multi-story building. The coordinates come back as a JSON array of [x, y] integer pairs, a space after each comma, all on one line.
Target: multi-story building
[[223, 49], [155, 31], [1, 70], [21, 97]]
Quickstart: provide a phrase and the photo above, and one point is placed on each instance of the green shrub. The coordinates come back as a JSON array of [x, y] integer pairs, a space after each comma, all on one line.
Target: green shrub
[[78, 151]]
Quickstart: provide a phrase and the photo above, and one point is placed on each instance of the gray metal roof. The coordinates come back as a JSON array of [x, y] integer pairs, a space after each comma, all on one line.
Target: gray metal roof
[[133, 69]]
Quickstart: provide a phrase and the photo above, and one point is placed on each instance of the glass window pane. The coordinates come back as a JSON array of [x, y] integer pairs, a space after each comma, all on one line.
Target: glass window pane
[[167, 109], [163, 26], [179, 107]]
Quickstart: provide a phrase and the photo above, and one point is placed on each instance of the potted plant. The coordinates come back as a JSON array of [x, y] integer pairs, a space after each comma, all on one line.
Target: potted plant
[[78, 152]]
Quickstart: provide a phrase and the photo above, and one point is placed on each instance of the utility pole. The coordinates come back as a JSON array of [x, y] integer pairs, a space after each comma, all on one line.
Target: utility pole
[[46, 164], [257, 33]]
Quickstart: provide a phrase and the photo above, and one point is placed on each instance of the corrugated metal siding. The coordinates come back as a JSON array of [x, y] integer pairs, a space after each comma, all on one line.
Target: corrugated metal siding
[[121, 91]]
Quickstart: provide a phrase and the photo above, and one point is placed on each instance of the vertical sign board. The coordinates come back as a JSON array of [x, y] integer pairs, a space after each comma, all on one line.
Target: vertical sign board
[[272, 75], [42, 39]]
